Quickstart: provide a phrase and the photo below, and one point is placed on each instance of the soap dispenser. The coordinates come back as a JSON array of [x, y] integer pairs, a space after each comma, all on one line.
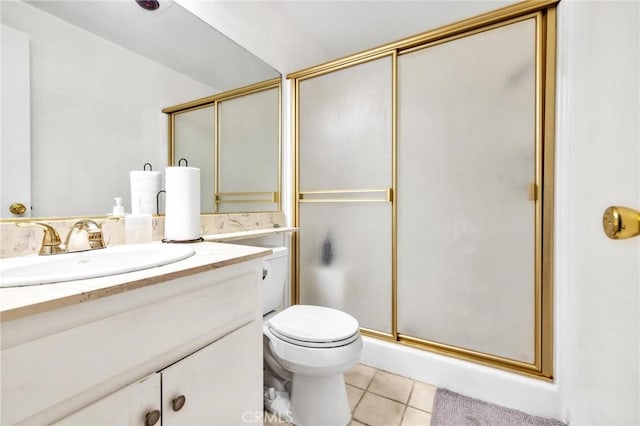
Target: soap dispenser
[[118, 209]]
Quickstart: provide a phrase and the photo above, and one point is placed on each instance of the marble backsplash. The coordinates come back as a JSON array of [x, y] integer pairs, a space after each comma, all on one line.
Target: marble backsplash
[[21, 241]]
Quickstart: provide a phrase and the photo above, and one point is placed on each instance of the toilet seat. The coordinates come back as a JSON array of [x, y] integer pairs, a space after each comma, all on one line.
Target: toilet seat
[[307, 344], [314, 326], [312, 361]]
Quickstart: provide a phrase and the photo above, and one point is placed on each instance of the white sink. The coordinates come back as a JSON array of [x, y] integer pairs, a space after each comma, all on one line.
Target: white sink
[[34, 270]]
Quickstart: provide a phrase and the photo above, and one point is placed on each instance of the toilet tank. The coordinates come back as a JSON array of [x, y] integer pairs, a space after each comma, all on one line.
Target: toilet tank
[[274, 277]]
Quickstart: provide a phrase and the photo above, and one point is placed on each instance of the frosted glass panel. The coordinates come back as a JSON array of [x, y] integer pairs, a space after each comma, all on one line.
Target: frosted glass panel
[[345, 253], [249, 149], [234, 207], [345, 128], [194, 140], [465, 223]]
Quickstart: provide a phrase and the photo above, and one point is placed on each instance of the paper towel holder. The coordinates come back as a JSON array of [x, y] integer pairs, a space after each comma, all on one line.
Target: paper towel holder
[[144, 167], [162, 191], [186, 163]]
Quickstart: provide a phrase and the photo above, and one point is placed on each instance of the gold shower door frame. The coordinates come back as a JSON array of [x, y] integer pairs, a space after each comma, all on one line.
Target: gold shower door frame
[[542, 193], [215, 101]]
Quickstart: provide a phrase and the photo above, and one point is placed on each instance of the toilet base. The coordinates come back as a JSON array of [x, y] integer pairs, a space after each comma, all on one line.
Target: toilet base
[[278, 403], [319, 400]]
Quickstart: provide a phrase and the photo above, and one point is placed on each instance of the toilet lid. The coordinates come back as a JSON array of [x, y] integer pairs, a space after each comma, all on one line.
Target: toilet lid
[[314, 324]]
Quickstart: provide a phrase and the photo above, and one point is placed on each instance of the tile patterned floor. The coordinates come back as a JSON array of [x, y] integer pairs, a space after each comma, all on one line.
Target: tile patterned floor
[[378, 398]]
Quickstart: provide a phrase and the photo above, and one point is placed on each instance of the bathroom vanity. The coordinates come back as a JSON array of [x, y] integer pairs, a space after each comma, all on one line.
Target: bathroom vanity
[[176, 344]]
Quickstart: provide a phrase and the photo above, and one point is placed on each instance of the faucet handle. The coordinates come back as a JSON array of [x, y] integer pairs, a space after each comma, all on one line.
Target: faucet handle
[[99, 236], [51, 242], [86, 234], [108, 219]]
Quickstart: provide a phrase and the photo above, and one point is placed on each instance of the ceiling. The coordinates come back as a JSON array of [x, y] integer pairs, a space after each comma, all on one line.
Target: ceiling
[[288, 35], [292, 35], [170, 35], [341, 28]]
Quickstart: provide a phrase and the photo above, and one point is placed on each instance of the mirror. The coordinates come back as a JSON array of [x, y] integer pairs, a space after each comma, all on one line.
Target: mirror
[[234, 139], [83, 86]]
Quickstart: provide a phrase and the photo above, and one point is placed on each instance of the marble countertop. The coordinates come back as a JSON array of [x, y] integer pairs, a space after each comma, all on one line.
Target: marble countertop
[[17, 302], [243, 235]]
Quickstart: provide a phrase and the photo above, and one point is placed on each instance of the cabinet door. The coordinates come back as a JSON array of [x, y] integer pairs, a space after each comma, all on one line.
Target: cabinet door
[[221, 384], [128, 406]]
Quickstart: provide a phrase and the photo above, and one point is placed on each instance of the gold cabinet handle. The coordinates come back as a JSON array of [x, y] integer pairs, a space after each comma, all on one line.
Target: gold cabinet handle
[[621, 222], [151, 418], [178, 403]]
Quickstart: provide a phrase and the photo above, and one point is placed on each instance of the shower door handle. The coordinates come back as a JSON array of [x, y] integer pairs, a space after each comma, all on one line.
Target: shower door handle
[[621, 222]]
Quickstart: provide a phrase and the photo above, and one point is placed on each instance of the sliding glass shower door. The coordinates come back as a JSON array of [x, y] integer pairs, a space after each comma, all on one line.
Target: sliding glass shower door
[[425, 188], [466, 215], [344, 195]]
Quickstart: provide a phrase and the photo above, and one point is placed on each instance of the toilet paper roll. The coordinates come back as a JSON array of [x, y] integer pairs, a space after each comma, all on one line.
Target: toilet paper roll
[[144, 189], [182, 205]]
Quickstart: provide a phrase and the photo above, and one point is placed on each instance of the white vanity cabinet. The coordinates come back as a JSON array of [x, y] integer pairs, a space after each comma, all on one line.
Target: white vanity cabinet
[[214, 383], [132, 405], [207, 387], [115, 359]]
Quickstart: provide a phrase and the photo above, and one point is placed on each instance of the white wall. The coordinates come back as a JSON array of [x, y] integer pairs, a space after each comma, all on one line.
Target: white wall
[[598, 280], [95, 113]]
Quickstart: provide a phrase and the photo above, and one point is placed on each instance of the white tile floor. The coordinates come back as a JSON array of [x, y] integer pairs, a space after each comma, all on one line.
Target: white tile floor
[[378, 398]]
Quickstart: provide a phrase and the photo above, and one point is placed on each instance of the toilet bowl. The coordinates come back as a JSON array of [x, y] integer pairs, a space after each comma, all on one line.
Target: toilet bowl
[[306, 351]]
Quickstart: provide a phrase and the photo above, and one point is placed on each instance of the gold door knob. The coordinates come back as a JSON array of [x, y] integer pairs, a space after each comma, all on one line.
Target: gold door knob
[[151, 418], [178, 403], [621, 222], [17, 209]]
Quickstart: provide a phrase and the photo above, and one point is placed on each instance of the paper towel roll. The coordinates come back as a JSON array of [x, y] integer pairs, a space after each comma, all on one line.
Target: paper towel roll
[[182, 206], [144, 189]]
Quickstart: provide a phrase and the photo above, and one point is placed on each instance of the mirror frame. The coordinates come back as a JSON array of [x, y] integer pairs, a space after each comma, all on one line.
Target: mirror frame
[[214, 100]]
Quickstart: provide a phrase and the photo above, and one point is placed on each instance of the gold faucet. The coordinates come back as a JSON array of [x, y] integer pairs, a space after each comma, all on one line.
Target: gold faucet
[[85, 234]]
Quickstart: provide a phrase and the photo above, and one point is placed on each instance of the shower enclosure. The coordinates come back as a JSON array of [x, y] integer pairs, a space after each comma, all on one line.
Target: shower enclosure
[[424, 188]]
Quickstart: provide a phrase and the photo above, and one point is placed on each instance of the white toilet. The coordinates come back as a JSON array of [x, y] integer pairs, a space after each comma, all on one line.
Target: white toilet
[[306, 351]]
